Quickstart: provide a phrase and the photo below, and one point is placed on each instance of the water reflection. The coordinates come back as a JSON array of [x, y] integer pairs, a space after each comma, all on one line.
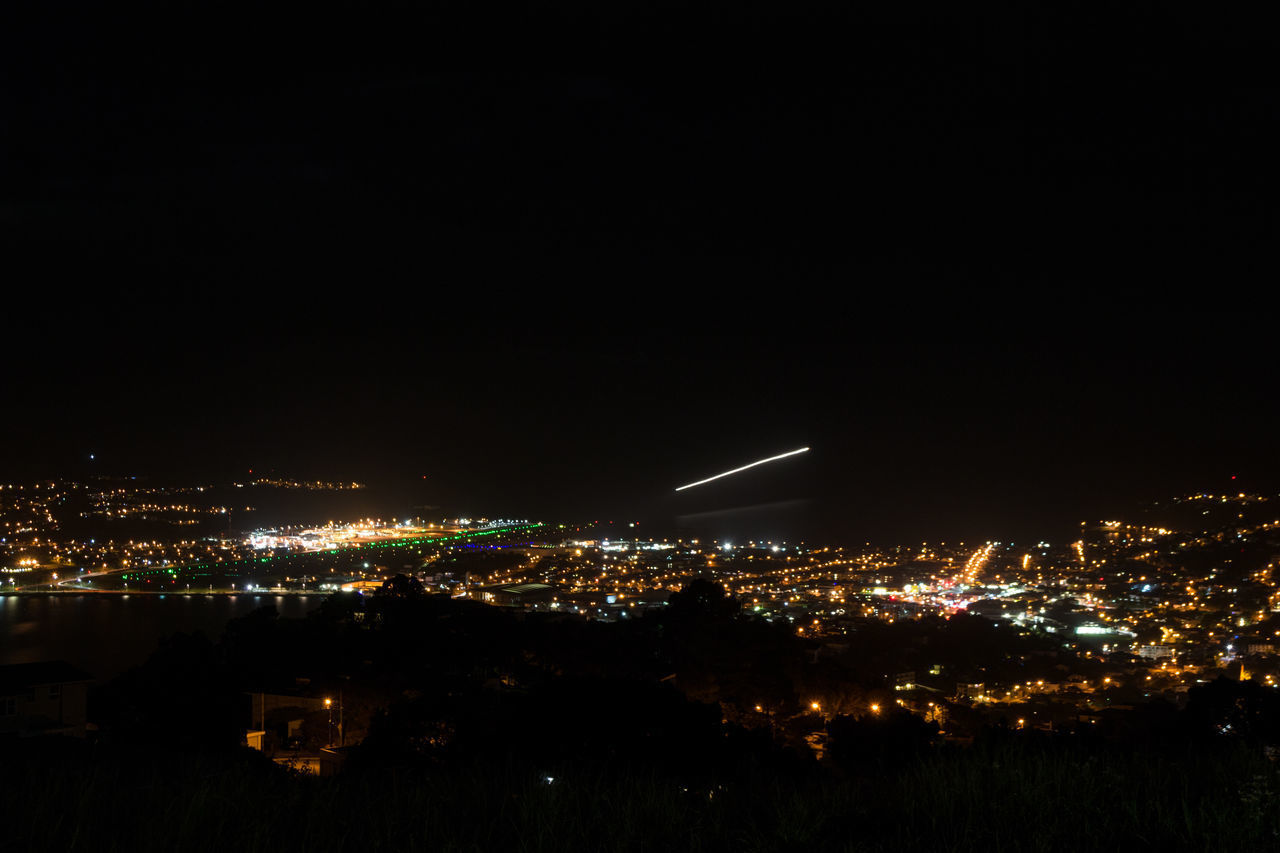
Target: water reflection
[[107, 634]]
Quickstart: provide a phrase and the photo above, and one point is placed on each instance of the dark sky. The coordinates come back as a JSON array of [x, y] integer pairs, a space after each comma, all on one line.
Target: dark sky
[[986, 266]]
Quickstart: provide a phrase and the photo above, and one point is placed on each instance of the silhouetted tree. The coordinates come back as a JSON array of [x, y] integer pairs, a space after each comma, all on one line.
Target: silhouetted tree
[[338, 607], [183, 696], [891, 736], [702, 600], [1242, 709], [401, 586]]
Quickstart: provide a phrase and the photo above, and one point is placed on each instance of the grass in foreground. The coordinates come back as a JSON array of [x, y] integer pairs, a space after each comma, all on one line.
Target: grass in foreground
[[989, 798]]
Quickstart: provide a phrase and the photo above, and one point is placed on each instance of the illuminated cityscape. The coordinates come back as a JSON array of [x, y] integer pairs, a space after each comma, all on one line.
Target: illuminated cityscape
[[871, 452], [1122, 614]]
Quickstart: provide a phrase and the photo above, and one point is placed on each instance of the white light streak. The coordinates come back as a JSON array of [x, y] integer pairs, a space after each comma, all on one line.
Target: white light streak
[[743, 468]]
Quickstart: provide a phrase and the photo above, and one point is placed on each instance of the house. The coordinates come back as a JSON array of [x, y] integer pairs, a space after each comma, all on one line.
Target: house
[[44, 698], [315, 762]]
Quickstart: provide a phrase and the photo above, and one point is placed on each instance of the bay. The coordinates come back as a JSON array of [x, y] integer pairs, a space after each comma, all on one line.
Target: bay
[[106, 635]]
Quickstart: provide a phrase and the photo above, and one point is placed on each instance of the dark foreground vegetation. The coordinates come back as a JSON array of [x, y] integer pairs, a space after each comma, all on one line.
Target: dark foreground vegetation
[[694, 726], [1014, 794]]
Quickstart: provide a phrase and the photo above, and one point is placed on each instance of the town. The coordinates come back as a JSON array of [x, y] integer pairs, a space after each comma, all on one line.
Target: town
[[1067, 634]]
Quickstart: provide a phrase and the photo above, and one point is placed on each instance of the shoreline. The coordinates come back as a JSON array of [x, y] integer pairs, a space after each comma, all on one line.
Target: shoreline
[[162, 593]]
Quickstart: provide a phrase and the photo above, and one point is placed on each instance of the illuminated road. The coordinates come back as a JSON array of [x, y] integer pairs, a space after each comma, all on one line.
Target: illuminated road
[[973, 566]]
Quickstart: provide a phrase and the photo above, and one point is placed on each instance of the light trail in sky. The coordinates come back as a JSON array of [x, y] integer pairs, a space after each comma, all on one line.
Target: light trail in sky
[[743, 468]]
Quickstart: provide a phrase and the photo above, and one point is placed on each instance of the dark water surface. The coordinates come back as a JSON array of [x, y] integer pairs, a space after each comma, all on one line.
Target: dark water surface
[[107, 634]]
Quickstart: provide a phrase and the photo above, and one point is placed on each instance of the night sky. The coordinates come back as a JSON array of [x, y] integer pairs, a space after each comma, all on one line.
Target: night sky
[[995, 270]]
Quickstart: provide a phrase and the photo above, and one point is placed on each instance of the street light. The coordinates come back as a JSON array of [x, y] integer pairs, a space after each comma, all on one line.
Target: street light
[[328, 704]]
